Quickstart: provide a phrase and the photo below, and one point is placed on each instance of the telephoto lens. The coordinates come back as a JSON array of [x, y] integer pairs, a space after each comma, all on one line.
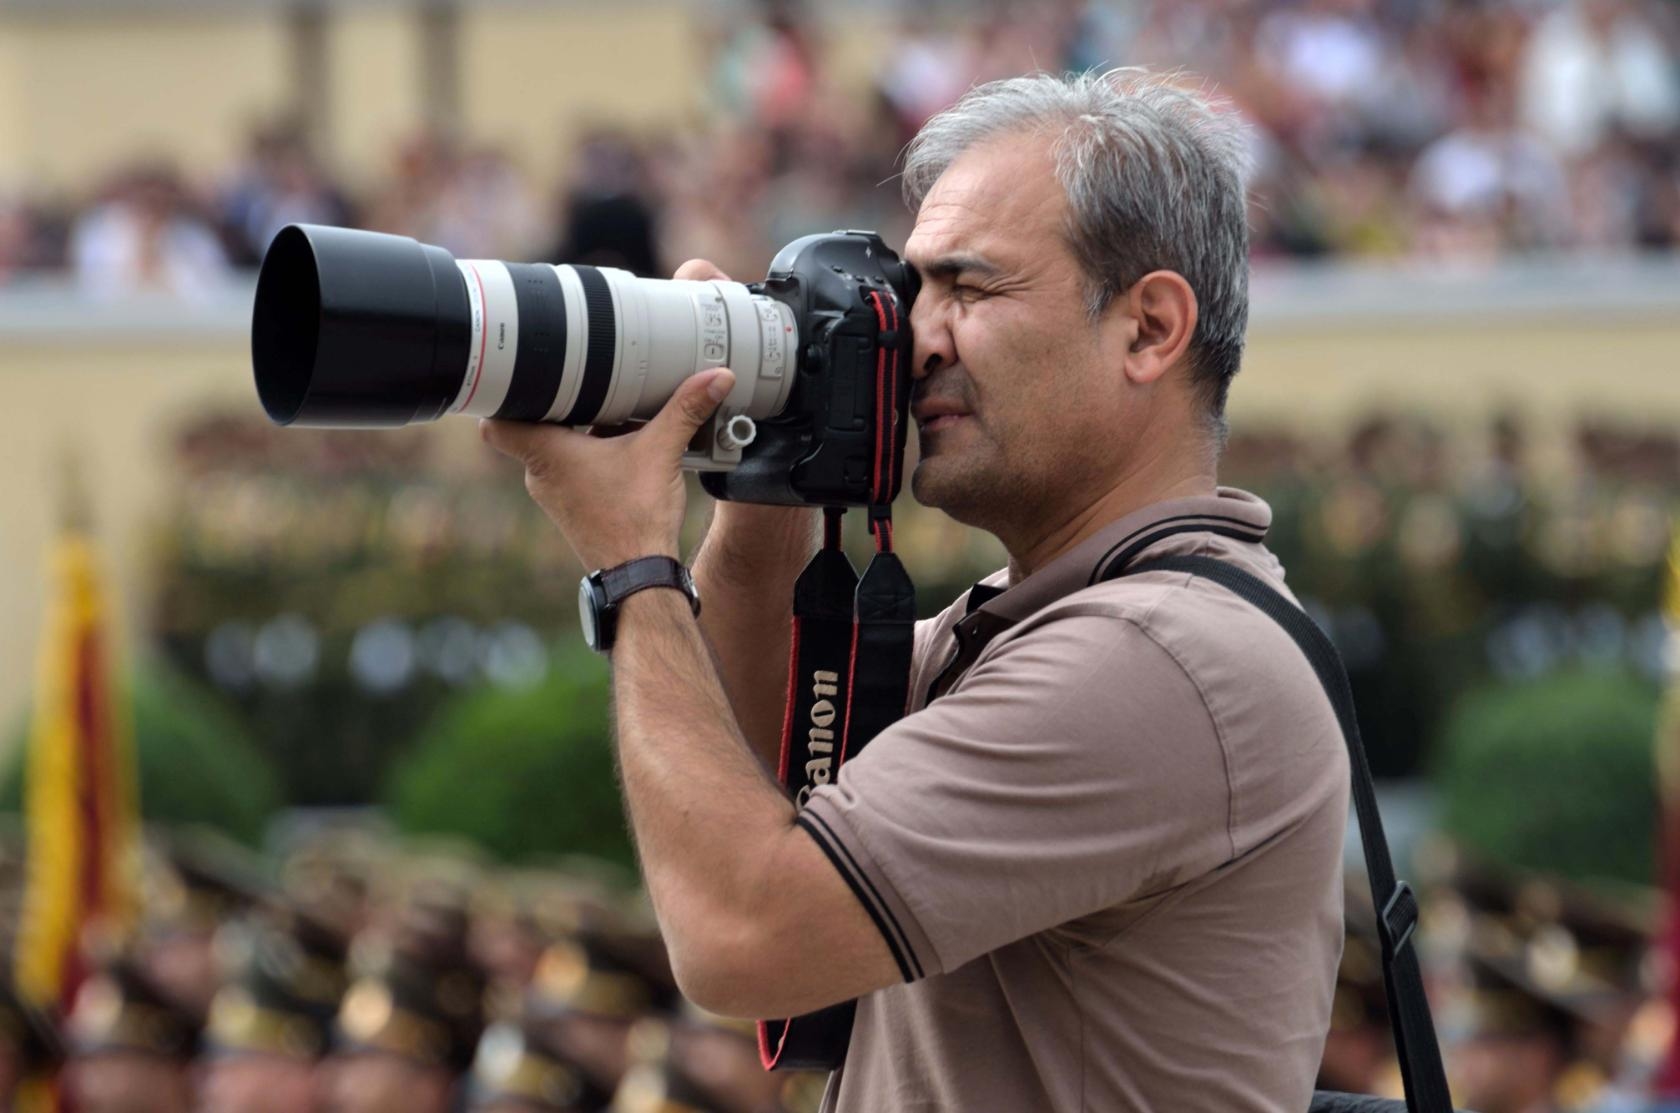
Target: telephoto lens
[[362, 329]]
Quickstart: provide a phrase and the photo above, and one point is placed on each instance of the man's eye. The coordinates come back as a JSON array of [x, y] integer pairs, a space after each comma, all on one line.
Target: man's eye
[[967, 292]]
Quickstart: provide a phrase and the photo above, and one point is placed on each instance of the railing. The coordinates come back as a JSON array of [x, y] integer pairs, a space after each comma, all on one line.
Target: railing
[[1283, 296]]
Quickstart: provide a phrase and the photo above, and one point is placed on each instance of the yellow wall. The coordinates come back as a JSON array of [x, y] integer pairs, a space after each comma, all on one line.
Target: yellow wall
[[1549, 372], [373, 73], [82, 94], [532, 77]]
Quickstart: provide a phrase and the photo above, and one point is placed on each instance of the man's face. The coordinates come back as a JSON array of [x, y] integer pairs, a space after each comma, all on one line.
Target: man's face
[[1020, 399]]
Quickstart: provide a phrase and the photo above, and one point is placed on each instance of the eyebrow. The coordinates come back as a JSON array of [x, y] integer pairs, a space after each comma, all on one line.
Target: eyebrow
[[953, 266]]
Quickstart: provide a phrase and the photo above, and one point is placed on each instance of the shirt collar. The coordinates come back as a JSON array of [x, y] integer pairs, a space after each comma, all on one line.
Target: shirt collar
[[1230, 511]]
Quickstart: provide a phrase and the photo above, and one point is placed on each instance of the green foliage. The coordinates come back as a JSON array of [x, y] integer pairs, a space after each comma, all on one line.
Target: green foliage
[[1555, 774], [197, 763], [523, 772]]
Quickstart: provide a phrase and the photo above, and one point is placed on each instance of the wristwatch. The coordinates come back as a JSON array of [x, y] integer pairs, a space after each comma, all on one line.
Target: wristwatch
[[601, 592]]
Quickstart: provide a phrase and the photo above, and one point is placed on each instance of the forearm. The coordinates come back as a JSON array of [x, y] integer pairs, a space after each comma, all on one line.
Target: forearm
[[745, 572], [704, 811]]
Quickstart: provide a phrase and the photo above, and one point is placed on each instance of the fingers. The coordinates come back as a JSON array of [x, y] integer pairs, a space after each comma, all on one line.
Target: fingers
[[695, 401], [537, 444], [700, 270]]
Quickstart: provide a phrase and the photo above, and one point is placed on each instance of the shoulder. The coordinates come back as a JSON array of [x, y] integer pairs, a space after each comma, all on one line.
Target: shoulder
[[1187, 653]]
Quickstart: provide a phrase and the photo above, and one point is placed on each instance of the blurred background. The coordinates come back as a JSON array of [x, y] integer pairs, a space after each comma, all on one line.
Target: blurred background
[[382, 858]]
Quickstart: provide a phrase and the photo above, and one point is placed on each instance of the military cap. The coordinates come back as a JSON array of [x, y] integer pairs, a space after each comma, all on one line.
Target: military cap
[[118, 1008], [1532, 987], [656, 1082], [198, 881], [281, 992], [520, 1064], [584, 974], [700, 1062], [426, 1013]]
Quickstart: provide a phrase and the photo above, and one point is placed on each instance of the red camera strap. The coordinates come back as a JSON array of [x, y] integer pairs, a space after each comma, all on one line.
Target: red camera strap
[[848, 670]]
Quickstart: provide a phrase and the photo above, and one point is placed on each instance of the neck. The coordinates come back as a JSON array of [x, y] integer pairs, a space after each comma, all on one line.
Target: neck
[[1156, 480]]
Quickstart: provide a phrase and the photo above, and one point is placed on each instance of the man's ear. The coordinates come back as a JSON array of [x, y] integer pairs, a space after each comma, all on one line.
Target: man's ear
[[1164, 312]]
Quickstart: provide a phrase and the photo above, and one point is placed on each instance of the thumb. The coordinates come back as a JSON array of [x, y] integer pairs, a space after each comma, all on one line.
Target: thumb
[[695, 401]]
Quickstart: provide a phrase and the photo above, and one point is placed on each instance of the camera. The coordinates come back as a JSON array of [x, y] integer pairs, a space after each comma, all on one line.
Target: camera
[[363, 329]]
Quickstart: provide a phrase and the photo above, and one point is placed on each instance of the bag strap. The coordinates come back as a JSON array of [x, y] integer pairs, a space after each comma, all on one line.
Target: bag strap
[[1418, 1052]]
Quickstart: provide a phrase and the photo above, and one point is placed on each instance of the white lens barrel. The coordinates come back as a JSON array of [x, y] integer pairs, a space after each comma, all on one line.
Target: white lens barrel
[[654, 333]]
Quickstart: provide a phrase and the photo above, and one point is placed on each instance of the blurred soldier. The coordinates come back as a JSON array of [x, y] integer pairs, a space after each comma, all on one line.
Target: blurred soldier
[[1358, 1051], [131, 1045], [706, 1064], [1529, 1003], [408, 1026], [194, 886], [520, 1069], [30, 1046], [585, 997], [397, 1047], [271, 1023]]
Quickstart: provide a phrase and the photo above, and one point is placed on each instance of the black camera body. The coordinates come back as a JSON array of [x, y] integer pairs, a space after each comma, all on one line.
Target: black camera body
[[851, 297]]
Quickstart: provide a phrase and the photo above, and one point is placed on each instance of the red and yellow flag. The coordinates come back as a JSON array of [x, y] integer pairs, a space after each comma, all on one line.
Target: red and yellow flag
[[80, 796], [1666, 1084]]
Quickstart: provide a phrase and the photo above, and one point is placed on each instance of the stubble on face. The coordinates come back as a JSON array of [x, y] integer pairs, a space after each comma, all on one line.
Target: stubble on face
[[1021, 356]]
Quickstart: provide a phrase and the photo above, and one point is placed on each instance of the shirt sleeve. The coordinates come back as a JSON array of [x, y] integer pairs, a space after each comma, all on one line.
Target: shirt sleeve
[[1074, 768]]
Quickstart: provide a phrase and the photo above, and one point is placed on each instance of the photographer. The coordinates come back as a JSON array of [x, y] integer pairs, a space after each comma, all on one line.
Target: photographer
[[1097, 864]]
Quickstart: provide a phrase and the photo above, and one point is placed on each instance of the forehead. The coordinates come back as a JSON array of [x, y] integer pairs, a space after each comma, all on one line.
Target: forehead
[[1000, 199]]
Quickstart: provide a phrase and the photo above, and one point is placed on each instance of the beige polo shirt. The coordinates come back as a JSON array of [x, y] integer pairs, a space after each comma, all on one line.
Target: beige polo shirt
[[1108, 857]]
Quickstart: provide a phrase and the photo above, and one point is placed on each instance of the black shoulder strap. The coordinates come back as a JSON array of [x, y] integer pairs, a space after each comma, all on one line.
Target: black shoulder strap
[[1408, 1009]]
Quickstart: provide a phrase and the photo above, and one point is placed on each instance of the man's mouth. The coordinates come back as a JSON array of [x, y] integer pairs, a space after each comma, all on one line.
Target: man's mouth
[[934, 414], [941, 421]]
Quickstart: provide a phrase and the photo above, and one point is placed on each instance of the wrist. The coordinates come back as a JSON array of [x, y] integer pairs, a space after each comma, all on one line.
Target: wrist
[[604, 595], [746, 540]]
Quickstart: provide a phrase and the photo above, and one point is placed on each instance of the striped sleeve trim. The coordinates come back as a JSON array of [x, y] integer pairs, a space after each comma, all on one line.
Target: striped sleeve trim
[[864, 889]]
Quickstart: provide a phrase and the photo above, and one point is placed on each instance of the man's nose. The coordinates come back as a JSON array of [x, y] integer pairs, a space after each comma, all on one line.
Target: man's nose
[[934, 346]]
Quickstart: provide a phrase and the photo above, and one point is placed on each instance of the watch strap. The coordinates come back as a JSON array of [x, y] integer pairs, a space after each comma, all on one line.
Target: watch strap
[[623, 580]]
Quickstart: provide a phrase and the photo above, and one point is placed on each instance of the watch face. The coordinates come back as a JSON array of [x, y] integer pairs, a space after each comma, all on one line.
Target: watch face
[[586, 614]]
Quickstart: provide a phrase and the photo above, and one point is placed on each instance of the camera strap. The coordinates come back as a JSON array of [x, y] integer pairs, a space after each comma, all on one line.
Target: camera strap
[[1418, 1053], [848, 669]]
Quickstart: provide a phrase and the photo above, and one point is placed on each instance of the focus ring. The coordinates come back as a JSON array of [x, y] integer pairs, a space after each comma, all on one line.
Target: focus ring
[[540, 347], [598, 356]]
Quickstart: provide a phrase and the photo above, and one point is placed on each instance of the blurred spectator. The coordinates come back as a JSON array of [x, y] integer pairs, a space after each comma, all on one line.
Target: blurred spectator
[[605, 220], [471, 200], [280, 183], [1488, 186], [147, 235], [1386, 128], [1594, 67]]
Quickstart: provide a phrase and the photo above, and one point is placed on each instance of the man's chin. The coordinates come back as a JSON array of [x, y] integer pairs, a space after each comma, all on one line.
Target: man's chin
[[941, 485]]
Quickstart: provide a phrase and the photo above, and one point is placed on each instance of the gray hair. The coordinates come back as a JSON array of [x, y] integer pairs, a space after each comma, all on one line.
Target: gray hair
[[1155, 177]]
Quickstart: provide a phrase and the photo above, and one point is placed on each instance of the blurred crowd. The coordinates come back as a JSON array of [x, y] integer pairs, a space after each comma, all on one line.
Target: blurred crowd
[[361, 977], [1434, 128], [364, 976]]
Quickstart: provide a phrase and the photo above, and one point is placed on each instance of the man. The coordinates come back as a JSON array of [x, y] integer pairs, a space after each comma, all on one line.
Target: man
[[1100, 867]]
